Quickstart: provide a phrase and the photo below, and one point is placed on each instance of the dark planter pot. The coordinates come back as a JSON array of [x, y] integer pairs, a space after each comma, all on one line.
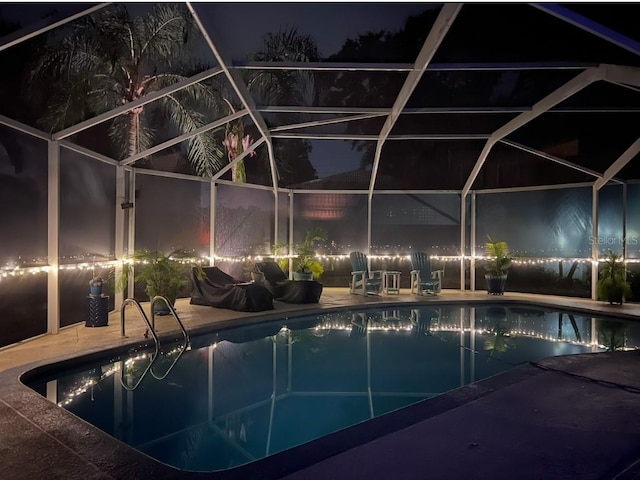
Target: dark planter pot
[[495, 283], [95, 286], [615, 295], [302, 276], [160, 307]]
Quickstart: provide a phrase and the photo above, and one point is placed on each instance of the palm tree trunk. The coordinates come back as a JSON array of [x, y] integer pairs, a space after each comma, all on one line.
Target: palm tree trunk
[[134, 132], [238, 172]]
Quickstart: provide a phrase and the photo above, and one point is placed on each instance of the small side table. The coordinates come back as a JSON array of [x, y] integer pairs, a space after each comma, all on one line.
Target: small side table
[[390, 282], [97, 311]]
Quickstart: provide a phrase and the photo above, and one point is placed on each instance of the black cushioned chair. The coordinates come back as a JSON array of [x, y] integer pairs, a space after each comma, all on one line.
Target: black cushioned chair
[[218, 289], [288, 291]]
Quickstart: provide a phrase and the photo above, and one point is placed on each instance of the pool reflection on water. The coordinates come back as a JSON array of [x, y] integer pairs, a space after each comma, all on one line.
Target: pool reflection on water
[[242, 394]]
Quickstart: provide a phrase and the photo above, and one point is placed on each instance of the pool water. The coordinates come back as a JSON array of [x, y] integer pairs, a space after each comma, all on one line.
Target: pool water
[[242, 394]]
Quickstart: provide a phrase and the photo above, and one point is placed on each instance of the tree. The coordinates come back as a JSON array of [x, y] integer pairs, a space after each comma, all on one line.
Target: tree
[[111, 58], [287, 87]]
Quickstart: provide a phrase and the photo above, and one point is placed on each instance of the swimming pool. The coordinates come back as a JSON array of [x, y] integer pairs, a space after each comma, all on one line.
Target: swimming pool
[[242, 394]]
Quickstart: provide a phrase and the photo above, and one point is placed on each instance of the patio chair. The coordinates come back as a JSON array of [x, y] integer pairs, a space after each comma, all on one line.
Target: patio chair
[[364, 282], [285, 290], [424, 281]]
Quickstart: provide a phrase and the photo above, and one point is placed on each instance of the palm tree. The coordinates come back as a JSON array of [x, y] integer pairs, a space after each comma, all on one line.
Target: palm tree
[[287, 87], [111, 58]]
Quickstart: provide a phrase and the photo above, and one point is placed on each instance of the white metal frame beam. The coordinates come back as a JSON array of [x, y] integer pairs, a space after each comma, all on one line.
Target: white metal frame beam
[[346, 136], [241, 90], [557, 160], [329, 121], [565, 91], [21, 127], [183, 137], [53, 237], [620, 74], [242, 156], [89, 153], [49, 23], [618, 165], [120, 229], [146, 99], [440, 27], [407, 67], [433, 110]]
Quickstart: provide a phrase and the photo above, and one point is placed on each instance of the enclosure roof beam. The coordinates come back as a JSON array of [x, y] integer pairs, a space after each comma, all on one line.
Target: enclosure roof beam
[[329, 121], [89, 153], [554, 98], [590, 26], [240, 88], [620, 74], [618, 165], [419, 136], [183, 137], [53, 21], [187, 82], [440, 27], [555, 159], [408, 67], [319, 110], [10, 122], [440, 110], [244, 154]]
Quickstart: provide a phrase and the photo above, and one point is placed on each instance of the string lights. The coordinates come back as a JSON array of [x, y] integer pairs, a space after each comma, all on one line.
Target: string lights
[[18, 271]]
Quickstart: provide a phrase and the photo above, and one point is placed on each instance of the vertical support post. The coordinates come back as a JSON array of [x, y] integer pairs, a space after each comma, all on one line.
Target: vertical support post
[[369, 203], [276, 217], [472, 279], [120, 240], [131, 232], [462, 346], [290, 234], [472, 344], [594, 243], [53, 253], [624, 227], [212, 223], [463, 222]]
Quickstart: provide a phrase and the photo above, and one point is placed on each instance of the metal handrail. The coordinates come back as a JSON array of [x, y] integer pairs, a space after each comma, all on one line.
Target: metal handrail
[[133, 301], [173, 364], [173, 312]]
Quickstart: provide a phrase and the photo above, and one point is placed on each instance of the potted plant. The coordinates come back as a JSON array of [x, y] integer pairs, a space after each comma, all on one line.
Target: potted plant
[[612, 284], [305, 265], [497, 266], [161, 273]]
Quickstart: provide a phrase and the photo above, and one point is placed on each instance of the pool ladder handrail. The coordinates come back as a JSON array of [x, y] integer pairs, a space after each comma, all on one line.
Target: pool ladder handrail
[[173, 312], [133, 301], [151, 328], [186, 345]]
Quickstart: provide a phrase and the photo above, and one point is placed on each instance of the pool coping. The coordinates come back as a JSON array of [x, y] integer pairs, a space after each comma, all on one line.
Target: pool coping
[[89, 443]]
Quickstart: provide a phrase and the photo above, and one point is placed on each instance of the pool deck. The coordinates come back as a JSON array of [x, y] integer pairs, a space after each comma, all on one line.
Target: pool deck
[[570, 417]]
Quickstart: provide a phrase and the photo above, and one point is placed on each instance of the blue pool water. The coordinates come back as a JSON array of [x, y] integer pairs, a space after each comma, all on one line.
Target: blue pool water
[[242, 394]]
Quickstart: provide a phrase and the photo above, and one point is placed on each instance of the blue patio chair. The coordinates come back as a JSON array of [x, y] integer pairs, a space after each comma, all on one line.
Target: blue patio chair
[[424, 280], [364, 282]]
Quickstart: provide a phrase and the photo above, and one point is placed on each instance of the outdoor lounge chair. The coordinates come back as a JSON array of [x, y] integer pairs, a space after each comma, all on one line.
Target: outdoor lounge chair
[[285, 290], [217, 289], [364, 282], [424, 280]]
